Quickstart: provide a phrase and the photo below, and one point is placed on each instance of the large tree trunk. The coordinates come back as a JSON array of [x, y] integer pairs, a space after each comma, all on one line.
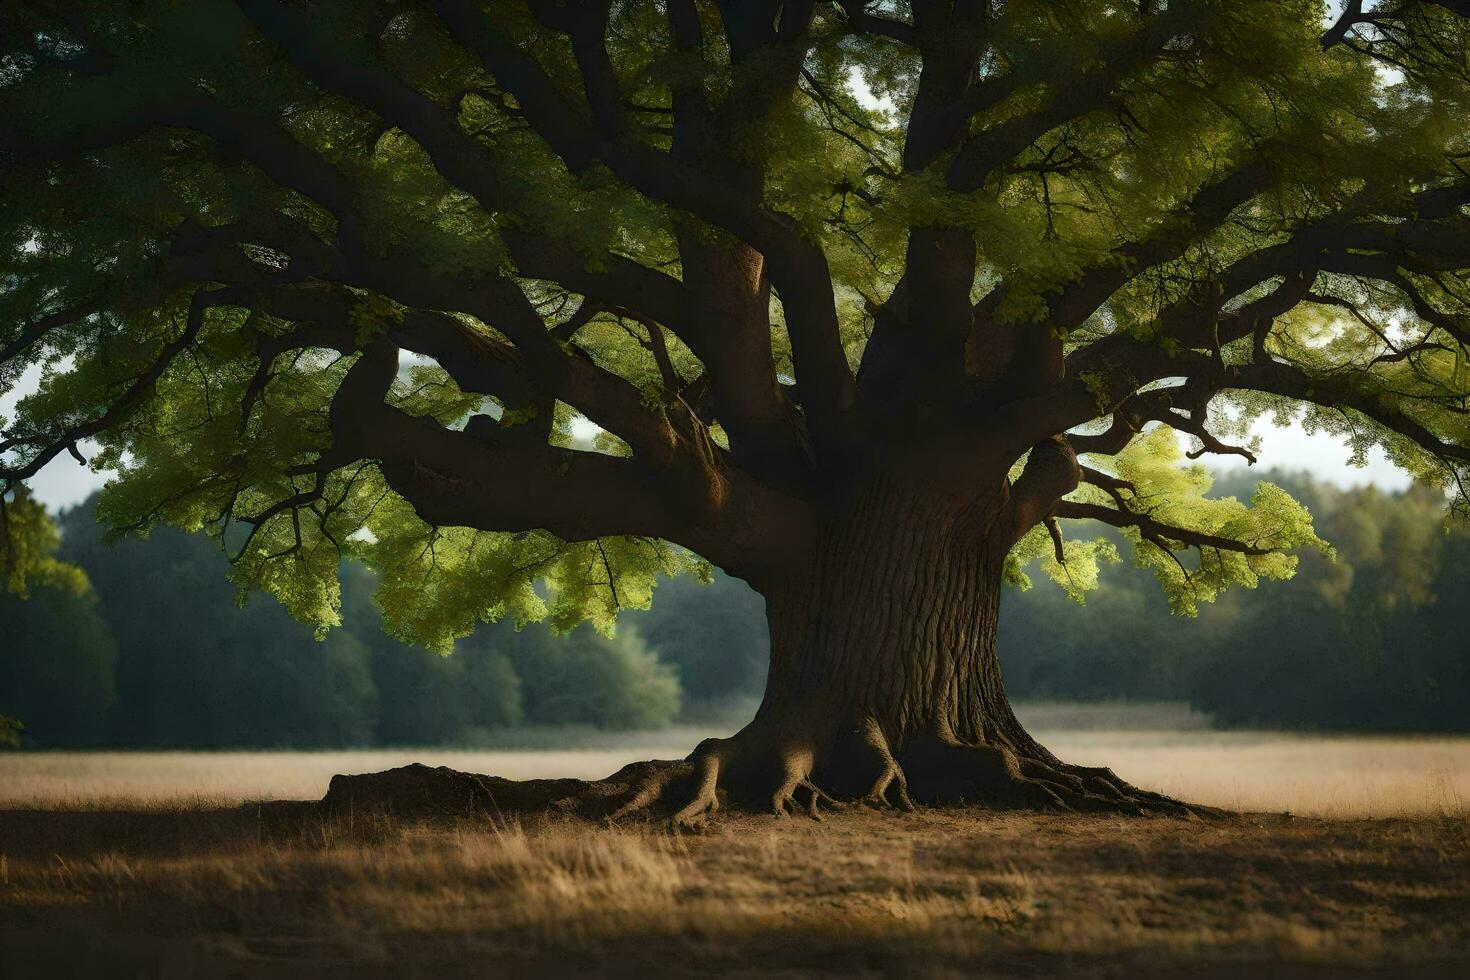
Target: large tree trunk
[[893, 624], [884, 687], [884, 684]]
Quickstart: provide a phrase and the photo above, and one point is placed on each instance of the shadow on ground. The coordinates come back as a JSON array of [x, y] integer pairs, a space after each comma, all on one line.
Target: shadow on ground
[[287, 890]]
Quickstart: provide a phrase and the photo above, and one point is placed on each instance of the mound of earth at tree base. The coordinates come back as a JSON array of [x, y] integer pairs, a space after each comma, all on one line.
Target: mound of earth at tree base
[[421, 791], [658, 789]]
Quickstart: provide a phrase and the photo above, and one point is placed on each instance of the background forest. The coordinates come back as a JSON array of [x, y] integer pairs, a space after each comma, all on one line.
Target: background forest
[[160, 654]]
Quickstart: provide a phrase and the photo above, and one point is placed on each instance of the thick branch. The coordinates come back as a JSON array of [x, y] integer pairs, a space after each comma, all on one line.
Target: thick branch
[[1202, 213], [455, 479], [1051, 472], [44, 325], [621, 282], [1341, 392], [863, 22]]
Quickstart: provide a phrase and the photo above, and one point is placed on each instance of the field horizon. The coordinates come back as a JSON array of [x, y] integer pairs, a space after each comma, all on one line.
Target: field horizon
[[1162, 746]]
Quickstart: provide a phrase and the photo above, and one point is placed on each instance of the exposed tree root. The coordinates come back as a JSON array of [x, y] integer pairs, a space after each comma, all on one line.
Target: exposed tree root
[[776, 770], [995, 776]]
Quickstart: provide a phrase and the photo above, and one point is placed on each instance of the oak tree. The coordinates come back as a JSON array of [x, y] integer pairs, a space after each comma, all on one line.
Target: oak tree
[[859, 301]]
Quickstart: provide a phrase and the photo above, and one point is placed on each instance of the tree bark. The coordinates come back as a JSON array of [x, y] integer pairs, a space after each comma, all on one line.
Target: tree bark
[[893, 623]]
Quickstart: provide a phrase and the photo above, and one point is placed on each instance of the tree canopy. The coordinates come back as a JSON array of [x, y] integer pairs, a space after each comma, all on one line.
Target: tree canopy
[[342, 279]]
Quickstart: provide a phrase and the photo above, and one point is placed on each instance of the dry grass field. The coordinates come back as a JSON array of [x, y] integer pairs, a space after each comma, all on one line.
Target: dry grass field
[[204, 893], [149, 865]]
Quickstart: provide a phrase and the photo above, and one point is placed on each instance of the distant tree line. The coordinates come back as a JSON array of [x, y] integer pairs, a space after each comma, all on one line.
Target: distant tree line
[[161, 655], [1375, 639]]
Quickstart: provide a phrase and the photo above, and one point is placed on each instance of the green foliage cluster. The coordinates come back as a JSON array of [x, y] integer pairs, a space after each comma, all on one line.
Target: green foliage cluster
[[1178, 495], [190, 456]]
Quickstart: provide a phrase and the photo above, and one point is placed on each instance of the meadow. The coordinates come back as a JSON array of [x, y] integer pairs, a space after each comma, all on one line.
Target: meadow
[[153, 865]]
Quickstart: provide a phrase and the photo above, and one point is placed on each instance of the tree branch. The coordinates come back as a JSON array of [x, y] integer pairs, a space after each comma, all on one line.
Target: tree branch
[[863, 22], [1155, 531], [1072, 95], [1340, 392], [46, 446], [454, 479], [1051, 472], [797, 266]]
